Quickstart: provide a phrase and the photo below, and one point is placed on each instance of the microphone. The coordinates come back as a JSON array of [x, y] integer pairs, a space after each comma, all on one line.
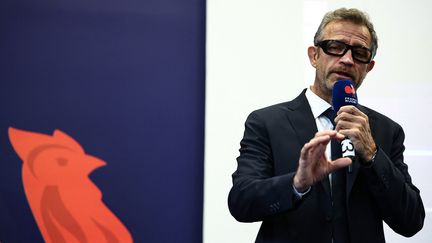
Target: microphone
[[344, 94]]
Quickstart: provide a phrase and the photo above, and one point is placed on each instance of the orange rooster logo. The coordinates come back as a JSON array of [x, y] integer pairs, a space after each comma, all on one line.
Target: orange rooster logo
[[66, 204]]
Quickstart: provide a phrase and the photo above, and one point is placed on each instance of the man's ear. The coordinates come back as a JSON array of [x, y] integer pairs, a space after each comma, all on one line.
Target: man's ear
[[370, 65], [313, 55]]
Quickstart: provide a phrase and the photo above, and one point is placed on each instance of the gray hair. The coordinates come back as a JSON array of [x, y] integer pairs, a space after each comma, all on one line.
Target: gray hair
[[352, 15]]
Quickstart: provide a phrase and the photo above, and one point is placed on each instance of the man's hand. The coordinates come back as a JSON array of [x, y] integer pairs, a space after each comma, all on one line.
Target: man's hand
[[313, 164], [354, 124]]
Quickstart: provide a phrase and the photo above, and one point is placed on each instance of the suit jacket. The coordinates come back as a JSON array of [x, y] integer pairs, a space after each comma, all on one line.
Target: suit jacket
[[262, 184]]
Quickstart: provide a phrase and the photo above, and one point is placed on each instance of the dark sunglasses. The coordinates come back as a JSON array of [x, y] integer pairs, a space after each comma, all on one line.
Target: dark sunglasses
[[338, 48]]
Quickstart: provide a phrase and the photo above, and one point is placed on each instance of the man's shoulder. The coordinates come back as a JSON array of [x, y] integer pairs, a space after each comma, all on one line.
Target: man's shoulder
[[283, 107]]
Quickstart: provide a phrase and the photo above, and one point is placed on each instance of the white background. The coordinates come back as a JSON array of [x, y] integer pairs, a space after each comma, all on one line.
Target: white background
[[256, 56]]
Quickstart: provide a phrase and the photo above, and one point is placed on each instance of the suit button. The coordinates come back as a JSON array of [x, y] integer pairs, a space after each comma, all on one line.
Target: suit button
[[328, 217]]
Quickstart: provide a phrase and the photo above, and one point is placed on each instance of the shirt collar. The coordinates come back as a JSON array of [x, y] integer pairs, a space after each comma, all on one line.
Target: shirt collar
[[318, 105]]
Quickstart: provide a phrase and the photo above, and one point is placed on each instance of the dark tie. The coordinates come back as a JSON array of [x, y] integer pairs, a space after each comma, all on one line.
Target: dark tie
[[338, 184], [336, 151]]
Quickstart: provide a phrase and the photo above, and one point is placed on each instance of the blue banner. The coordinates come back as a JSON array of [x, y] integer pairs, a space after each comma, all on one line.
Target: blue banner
[[101, 121]]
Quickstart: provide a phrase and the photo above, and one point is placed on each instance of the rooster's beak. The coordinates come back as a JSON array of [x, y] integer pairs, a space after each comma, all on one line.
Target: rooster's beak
[[94, 163]]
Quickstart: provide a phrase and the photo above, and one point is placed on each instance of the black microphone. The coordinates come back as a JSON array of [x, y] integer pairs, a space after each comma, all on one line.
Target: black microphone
[[344, 94]]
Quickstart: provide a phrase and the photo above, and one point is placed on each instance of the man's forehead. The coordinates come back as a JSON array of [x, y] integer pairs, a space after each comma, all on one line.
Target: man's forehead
[[347, 29]]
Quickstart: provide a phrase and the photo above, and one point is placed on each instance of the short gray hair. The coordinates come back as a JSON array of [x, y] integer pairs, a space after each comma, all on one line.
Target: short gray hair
[[352, 15]]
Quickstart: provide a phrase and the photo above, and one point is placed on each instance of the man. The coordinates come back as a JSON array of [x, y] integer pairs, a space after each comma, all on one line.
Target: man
[[285, 177]]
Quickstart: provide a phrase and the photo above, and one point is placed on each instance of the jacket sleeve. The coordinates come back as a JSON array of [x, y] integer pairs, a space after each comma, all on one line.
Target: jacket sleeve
[[256, 192], [390, 184]]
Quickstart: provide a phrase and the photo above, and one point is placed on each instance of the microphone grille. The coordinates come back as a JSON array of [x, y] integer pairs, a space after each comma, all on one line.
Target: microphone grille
[[343, 94]]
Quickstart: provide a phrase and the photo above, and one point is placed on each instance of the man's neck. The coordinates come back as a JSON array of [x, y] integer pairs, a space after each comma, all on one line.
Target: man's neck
[[322, 95]]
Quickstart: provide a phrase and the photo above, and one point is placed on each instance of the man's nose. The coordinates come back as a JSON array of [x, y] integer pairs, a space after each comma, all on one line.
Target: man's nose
[[347, 58]]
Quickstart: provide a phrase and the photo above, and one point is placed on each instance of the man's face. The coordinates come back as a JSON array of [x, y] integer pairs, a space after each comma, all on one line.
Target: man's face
[[330, 68]]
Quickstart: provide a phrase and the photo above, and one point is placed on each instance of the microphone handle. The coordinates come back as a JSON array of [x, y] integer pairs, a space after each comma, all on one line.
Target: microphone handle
[[348, 151], [350, 166]]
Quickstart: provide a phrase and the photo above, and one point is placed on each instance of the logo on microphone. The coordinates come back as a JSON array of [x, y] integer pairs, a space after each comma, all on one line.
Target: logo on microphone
[[349, 89]]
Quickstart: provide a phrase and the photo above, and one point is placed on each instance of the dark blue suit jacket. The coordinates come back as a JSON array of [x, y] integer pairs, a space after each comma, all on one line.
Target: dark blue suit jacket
[[262, 184]]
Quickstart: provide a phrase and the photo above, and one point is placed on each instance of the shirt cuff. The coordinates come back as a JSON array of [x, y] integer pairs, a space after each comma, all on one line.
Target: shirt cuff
[[368, 164], [300, 195]]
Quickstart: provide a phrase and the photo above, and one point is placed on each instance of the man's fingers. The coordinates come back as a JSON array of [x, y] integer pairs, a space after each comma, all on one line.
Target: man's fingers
[[339, 163], [316, 146], [310, 151], [326, 136], [351, 110], [330, 133]]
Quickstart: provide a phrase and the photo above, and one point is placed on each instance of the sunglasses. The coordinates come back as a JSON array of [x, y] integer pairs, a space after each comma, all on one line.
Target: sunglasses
[[338, 48]]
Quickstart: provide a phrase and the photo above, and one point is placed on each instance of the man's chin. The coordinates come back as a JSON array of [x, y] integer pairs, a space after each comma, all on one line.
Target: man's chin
[[330, 84]]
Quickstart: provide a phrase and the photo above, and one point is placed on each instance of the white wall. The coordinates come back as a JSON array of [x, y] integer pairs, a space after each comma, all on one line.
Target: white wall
[[256, 56]]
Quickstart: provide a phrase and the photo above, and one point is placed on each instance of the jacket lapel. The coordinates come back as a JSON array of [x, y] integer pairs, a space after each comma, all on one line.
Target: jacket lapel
[[301, 118]]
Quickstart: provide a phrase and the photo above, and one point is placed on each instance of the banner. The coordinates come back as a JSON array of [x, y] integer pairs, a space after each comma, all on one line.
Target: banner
[[101, 121]]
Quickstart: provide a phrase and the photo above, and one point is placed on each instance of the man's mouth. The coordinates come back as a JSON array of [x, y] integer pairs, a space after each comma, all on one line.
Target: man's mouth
[[343, 76]]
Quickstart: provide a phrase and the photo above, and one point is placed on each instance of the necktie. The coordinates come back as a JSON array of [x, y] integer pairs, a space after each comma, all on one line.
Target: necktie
[[338, 184], [336, 151]]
